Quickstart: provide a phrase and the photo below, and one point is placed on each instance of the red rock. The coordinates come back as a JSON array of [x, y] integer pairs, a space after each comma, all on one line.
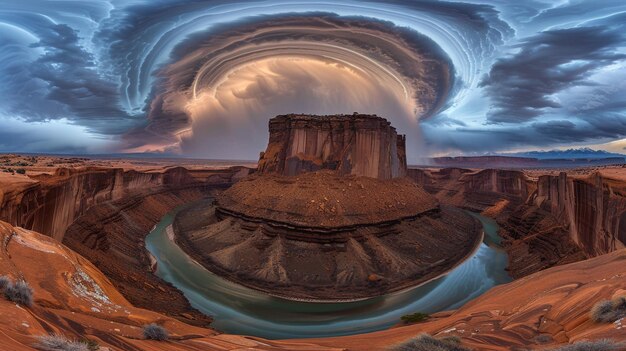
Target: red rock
[[363, 145]]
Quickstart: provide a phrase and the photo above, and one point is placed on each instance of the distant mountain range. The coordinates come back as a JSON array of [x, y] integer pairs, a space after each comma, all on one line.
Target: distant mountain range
[[570, 158], [582, 153]]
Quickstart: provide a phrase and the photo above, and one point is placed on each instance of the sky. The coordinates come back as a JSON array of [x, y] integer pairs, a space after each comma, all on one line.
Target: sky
[[202, 78]]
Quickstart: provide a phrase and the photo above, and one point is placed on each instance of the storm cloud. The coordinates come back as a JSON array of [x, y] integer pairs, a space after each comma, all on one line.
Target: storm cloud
[[521, 87], [202, 77]]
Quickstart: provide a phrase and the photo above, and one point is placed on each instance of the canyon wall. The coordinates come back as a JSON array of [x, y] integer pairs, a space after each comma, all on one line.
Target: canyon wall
[[594, 210], [474, 190], [544, 222], [350, 144], [112, 235], [73, 298], [50, 203], [105, 213]]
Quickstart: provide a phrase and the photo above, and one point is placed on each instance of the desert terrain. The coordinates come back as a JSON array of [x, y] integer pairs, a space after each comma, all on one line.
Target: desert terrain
[[97, 282]]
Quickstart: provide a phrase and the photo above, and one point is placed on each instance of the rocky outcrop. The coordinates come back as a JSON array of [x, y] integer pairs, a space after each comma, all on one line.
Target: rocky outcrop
[[324, 201], [328, 264], [548, 221], [73, 298], [105, 214], [538, 312], [593, 210], [565, 219], [363, 145], [323, 236], [50, 203], [475, 190], [112, 235]]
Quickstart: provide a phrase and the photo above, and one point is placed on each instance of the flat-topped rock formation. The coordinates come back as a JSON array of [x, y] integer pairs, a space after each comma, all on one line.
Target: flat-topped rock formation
[[364, 145], [328, 216]]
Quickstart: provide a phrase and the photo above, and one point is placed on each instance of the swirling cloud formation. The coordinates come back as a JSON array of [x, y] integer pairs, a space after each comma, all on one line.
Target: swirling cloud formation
[[201, 78]]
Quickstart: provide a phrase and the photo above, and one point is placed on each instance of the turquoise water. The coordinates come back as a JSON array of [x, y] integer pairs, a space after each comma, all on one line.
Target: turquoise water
[[240, 310]]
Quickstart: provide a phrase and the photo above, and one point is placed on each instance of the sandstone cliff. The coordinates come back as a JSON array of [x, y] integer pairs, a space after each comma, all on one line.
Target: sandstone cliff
[[475, 190], [356, 144], [547, 221], [73, 298], [50, 203], [593, 209], [105, 213]]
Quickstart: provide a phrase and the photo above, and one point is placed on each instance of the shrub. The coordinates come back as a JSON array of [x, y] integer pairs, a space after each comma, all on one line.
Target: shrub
[[92, 345], [155, 332], [20, 171], [57, 342], [597, 345], [20, 293], [543, 339], [4, 282], [426, 342], [415, 317], [608, 311]]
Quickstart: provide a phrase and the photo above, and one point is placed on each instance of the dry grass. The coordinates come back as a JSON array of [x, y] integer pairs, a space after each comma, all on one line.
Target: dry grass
[[608, 311], [20, 292], [426, 342], [155, 332], [57, 342]]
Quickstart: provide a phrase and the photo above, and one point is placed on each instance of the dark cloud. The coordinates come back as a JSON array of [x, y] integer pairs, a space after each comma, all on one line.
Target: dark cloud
[[551, 133], [520, 86], [74, 82]]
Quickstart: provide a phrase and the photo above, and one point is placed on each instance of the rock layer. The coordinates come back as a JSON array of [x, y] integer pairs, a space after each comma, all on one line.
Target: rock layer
[[50, 203], [105, 214], [358, 144], [328, 216], [324, 200], [74, 299], [538, 312], [546, 221], [315, 264], [594, 210]]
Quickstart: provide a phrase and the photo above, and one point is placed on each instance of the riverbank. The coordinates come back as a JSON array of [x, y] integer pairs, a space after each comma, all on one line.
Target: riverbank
[[240, 310]]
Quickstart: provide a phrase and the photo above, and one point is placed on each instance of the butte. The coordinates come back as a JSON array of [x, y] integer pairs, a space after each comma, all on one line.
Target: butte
[[329, 215]]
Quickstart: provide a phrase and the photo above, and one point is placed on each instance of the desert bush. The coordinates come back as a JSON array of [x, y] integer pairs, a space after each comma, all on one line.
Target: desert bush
[[543, 339], [414, 317], [608, 311], [597, 345], [426, 342], [4, 282], [57, 342], [20, 171], [20, 293], [92, 345], [155, 332]]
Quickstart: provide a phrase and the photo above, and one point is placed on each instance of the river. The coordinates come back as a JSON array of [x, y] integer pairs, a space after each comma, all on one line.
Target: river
[[240, 310]]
